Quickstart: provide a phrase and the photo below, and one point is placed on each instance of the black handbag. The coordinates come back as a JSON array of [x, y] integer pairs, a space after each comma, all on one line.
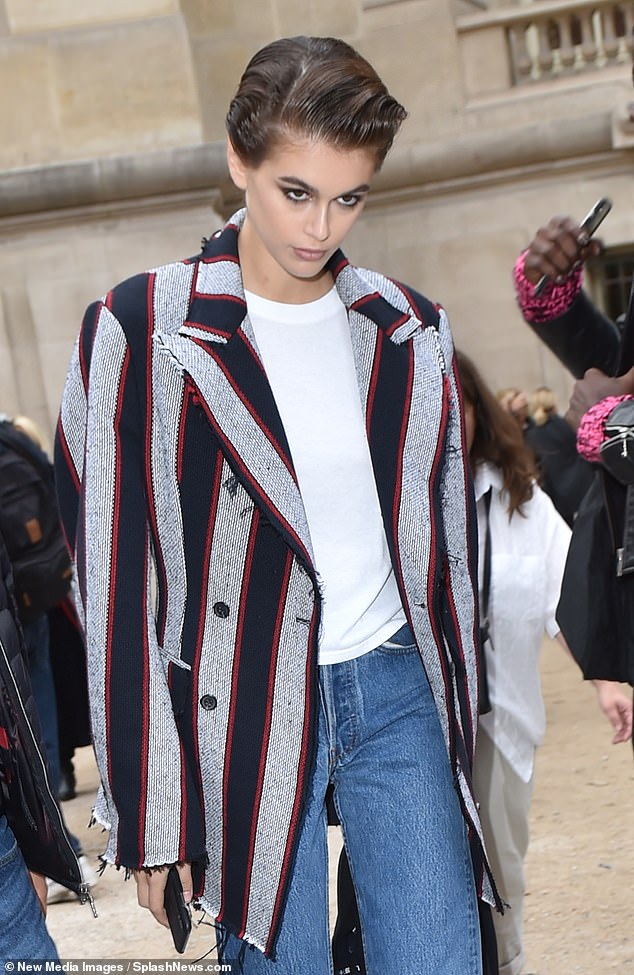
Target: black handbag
[[596, 605]]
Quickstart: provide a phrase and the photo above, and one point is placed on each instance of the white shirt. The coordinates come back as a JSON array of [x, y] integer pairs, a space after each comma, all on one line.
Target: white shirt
[[307, 354], [528, 555]]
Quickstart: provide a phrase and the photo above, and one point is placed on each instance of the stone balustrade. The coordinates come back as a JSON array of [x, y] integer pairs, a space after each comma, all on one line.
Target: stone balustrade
[[546, 40]]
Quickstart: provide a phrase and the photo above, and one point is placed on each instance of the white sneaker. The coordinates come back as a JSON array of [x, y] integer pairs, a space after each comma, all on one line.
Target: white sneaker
[[57, 892]]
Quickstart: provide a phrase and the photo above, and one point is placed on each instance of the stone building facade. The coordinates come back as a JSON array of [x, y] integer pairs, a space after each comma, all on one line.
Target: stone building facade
[[112, 156]]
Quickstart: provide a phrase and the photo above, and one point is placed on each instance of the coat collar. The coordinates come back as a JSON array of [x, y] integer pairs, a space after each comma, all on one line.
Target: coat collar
[[216, 349], [218, 307]]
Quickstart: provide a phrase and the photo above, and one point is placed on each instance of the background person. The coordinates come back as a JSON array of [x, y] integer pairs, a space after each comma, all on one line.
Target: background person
[[27, 852], [563, 474], [528, 544], [596, 609]]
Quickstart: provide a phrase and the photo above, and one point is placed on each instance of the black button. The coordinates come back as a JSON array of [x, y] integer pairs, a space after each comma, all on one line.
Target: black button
[[208, 702], [221, 610]]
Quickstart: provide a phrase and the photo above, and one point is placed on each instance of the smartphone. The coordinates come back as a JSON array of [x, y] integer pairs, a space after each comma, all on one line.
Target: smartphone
[[178, 915], [590, 224]]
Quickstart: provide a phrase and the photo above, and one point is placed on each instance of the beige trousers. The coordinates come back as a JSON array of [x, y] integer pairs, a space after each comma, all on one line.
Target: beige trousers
[[504, 805]]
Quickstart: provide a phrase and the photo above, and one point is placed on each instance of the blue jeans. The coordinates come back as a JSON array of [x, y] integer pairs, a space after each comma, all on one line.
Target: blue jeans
[[23, 931], [380, 743]]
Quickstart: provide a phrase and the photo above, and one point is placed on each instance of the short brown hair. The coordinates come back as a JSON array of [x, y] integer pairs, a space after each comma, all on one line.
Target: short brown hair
[[317, 87]]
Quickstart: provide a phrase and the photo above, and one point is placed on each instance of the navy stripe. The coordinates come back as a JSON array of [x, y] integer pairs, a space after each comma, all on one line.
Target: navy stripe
[[387, 411], [261, 600], [128, 635]]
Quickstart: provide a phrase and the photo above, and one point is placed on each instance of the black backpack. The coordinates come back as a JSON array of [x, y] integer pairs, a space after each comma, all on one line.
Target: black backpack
[[30, 525]]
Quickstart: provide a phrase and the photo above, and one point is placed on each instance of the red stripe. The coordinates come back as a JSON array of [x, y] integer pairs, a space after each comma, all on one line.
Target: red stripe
[[311, 673], [374, 378], [222, 296], [266, 731], [248, 562], [221, 258], [360, 302], [4, 739], [399, 321], [187, 392], [214, 330]]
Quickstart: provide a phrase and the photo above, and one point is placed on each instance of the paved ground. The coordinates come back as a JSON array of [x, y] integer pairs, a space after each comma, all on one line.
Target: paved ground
[[580, 864]]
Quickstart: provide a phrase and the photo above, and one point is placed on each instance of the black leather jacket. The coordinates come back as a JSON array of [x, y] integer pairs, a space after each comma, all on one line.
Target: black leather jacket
[[596, 608], [583, 338], [25, 795]]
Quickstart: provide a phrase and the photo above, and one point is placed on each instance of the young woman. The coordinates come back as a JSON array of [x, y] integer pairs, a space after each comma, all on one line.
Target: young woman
[[270, 440], [528, 544]]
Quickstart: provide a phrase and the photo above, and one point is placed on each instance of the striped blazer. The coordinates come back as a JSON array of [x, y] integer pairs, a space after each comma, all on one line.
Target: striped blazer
[[196, 581]]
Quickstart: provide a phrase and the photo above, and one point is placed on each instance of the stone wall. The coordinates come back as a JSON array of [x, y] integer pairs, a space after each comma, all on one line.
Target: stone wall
[[112, 160]]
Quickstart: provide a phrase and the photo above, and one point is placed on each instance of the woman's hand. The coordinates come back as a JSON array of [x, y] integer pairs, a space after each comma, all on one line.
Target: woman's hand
[[557, 249], [150, 888], [594, 387], [616, 704]]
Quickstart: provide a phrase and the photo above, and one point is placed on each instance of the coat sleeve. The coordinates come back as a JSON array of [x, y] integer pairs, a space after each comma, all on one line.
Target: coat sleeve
[[582, 338], [460, 539], [102, 481]]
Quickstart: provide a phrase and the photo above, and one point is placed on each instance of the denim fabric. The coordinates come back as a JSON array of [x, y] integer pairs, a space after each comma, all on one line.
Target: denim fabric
[[23, 933], [381, 745]]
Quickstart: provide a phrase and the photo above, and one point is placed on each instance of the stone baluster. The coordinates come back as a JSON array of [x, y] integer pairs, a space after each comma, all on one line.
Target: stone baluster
[[520, 57], [611, 39], [588, 47], [567, 50], [548, 39]]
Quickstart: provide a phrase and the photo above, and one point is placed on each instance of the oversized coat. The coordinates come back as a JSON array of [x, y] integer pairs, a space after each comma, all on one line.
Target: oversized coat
[[196, 580]]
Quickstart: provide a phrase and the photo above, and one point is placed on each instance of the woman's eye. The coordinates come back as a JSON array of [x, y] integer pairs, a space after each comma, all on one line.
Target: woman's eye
[[349, 200], [296, 196]]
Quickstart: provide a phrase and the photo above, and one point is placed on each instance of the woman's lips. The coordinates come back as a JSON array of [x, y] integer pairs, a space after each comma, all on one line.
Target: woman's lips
[[309, 255]]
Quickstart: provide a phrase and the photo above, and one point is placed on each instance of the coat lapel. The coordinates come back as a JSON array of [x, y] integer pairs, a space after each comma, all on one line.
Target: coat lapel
[[215, 346]]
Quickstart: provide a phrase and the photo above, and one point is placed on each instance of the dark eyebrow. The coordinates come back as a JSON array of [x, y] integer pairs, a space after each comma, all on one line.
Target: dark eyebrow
[[295, 181]]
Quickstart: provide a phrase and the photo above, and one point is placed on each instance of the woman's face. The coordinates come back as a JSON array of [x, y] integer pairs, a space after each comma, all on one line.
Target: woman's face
[[301, 202]]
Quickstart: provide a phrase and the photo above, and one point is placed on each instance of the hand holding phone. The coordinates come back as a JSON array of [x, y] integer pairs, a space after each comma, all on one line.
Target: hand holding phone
[[178, 914], [589, 225]]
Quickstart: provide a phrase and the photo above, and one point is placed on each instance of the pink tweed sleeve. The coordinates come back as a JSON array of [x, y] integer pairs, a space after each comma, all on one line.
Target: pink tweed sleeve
[[553, 302], [591, 432]]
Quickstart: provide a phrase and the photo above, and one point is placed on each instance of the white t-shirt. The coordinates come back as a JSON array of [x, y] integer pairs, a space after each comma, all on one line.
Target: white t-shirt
[[307, 355], [528, 555]]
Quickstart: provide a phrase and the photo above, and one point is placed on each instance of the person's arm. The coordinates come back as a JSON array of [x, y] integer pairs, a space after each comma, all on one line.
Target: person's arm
[[563, 317], [614, 700], [104, 483]]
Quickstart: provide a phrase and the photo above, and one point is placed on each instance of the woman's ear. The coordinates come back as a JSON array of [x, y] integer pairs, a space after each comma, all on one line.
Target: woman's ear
[[237, 169]]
